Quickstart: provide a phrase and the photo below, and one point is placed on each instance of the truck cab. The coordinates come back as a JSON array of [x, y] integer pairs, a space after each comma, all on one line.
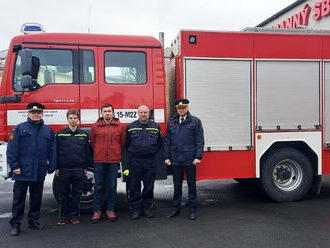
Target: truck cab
[[81, 71]]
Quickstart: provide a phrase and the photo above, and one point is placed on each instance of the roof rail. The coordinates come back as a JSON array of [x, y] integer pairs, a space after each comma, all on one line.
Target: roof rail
[[302, 30]]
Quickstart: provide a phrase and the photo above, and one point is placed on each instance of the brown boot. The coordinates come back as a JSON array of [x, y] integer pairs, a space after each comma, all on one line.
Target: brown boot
[[111, 216], [96, 217]]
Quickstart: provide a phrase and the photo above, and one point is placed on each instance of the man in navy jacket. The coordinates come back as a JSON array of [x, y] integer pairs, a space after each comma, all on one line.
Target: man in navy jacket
[[183, 150], [31, 153]]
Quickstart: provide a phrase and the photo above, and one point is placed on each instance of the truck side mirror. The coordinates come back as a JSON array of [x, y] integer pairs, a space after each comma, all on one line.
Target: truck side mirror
[[26, 82], [26, 58]]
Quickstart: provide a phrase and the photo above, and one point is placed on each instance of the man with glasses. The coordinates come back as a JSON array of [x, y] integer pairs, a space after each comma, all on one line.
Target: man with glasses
[[183, 150], [31, 153]]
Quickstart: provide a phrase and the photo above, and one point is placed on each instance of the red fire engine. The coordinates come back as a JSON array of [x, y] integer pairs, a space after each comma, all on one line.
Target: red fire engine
[[263, 97]]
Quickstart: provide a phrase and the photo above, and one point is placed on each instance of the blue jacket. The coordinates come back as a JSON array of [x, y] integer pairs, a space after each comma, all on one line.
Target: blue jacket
[[73, 149], [32, 148], [184, 141], [143, 139]]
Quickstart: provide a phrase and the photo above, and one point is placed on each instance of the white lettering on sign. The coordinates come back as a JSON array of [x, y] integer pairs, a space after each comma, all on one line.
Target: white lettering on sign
[[87, 116]]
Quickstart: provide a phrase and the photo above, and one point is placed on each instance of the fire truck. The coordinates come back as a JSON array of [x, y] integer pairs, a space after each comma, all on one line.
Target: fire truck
[[263, 97]]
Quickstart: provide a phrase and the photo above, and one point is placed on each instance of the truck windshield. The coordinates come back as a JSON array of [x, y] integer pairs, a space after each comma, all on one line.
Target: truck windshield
[[49, 66]]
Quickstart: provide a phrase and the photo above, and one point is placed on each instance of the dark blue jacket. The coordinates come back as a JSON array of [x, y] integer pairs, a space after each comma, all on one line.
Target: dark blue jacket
[[73, 149], [143, 139], [184, 141], [32, 148]]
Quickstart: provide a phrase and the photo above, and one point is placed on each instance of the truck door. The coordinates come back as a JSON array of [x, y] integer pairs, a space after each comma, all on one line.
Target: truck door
[[126, 80], [55, 83], [89, 69]]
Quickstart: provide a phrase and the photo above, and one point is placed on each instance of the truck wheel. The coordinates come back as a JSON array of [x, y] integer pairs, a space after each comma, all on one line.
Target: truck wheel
[[86, 200], [286, 175]]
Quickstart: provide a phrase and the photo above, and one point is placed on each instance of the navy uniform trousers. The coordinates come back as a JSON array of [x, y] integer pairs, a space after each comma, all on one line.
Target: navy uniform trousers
[[178, 171], [142, 169], [20, 190]]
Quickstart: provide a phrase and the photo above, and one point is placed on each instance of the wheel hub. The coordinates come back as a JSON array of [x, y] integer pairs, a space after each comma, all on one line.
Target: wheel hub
[[287, 175]]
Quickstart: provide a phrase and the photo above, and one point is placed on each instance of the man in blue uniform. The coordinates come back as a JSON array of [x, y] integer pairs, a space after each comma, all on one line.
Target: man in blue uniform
[[31, 153], [144, 140], [183, 150], [74, 156]]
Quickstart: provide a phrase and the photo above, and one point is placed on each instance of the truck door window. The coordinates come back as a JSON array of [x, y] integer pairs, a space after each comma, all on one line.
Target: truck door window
[[125, 67], [87, 66], [49, 66]]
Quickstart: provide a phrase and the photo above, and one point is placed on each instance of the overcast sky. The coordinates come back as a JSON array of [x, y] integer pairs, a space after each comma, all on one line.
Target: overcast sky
[[143, 17]]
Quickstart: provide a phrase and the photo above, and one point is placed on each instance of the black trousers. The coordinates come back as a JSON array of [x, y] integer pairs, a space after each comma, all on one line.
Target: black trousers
[[70, 190], [142, 169], [20, 190], [191, 181]]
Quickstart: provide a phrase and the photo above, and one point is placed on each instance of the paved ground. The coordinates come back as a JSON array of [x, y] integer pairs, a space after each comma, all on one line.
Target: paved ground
[[230, 215]]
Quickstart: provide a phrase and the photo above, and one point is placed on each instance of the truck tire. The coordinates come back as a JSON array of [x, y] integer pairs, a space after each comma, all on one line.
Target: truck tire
[[286, 175], [86, 200]]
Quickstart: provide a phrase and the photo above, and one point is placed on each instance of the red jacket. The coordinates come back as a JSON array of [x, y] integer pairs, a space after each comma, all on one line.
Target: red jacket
[[107, 140]]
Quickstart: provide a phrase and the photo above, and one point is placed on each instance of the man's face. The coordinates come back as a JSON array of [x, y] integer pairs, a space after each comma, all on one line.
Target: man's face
[[35, 115], [143, 113], [182, 110], [107, 113], [73, 120]]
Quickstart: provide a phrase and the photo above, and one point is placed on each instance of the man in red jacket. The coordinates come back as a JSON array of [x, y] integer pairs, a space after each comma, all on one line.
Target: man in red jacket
[[107, 139]]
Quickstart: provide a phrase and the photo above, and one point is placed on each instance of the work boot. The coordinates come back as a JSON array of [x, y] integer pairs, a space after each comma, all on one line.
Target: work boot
[[96, 217], [192, 214], [174, 213], [135, 215], [111, 216], [148, 213], [35, 225], [15, 230]]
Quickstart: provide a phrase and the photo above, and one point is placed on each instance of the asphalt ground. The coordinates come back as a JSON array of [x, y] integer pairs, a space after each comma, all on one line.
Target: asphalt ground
[[230, 214]]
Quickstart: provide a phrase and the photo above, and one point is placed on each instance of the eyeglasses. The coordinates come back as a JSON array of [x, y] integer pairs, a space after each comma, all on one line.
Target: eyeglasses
[[36, 112], [181, 107]]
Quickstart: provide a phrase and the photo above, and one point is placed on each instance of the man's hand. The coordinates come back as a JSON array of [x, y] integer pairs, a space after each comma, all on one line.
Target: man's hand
[[196, 161], [85, 171], [57, 172], [17, 171], [168, 162]]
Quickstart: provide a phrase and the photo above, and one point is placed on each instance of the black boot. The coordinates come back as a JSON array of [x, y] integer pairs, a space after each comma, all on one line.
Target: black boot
[[35, 225], [15, 230]]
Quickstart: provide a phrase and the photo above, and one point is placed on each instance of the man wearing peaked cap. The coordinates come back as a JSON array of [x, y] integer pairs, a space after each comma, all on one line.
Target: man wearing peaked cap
[[181, 102], [31, 153], [183, 150], [35, 106]]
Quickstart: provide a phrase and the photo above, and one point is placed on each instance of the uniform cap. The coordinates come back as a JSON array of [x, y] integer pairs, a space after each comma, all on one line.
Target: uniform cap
[[181, 102], [35, 106]]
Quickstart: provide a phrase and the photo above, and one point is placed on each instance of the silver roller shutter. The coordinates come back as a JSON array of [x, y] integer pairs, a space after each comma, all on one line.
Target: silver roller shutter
[[288, 94], [220, 95], [327, 103]]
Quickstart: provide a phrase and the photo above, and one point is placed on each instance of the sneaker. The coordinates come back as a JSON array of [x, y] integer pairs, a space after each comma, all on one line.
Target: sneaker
[[75, 221], [61, 222], [96, 217], [111, 216]]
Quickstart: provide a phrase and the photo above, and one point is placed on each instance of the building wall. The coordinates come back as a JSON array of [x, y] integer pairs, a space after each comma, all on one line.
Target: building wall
[[322, 24]]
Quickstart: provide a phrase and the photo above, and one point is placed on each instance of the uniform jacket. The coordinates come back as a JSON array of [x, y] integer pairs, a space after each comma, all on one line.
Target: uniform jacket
[[184, 141], [32, 148], [73, 149], [143, 139], [107, 140]]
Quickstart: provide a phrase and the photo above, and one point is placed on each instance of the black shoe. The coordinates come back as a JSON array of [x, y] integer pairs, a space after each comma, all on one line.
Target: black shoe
[[173, 213], [192, 215], [35, 225], [15, 231], [148, 213], [135, 215]]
